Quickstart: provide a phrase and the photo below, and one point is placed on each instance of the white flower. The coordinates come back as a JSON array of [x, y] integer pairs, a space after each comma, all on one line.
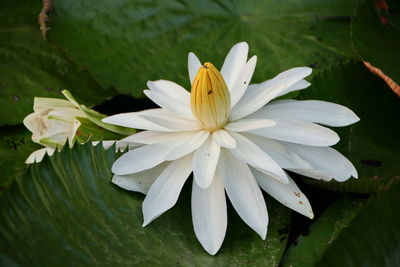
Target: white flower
[[56, 121], [233, 142], [52, 123]]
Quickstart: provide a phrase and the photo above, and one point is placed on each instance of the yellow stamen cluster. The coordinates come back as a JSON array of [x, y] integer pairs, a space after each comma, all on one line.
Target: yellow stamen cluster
[[210, 98]]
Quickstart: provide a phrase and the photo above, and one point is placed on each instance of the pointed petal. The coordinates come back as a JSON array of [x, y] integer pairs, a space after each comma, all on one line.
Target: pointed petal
[[300, 85], [34, 122], [106, 144], [169, 121], [149, 137], [205, 161], [171, 90], [326, 160], [153, 119], [243, 81], [188, 145], [224, 139], [194, 65], [313, 173], [44, 103], [256, 96], [288, 194], [234, 63], [299, 132], [38, 155], [164, 192], [209, 215], [140, 159], [282, 155], [244, 193], [141, 181], [180, 110], [244, 125], [133, 120], [308, 110], [148, 156], [249, 152]]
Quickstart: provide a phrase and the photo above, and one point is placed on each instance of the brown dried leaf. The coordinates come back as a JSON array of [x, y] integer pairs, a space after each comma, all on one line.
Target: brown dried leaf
[[44, 16], [392, 84]]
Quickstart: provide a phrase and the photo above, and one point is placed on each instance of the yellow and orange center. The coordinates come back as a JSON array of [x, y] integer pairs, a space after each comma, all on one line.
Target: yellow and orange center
[[210, 98]]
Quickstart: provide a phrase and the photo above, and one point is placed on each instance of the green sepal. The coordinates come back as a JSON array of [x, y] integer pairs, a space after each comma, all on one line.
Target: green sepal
[[91, 131], [96, 117], [49, 142]]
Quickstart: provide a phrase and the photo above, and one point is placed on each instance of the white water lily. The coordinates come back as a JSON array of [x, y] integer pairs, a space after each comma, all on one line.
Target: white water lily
[[55, 122], [52, 124], [234, 141]]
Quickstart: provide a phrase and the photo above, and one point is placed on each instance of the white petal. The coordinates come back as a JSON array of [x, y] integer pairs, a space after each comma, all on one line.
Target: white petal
[[326, 160], [256, 96], [188, 145], [282, 155], [180, 110], [153, 137], [234, 63], [308, 110], [299, 132], [106, 144], [288, 194], [66, 114], [205, 161], [164, 192], [249, 152], [300, 85], [34, 122], [245, 125], [243, 81], [41, 103], [141, 181], [194, 65], [313, 173], [171, 122], [140, 159], [224, 139], [133, 120], [153, 119], [71, 137], [209, 214], [148, 156], [38, 155], [171, 90], [244, 193], [149, 137]]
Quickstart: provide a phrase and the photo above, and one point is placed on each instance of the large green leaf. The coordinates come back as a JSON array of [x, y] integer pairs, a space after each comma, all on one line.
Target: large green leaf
[[65, 211], [373, 237], [372, 144], [125, 43], [376, 35], [32, 67], [309, 249], [15, 147]]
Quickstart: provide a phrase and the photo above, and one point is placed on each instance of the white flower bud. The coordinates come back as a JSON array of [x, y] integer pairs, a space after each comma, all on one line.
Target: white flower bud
[[53, 121], [210, 98]]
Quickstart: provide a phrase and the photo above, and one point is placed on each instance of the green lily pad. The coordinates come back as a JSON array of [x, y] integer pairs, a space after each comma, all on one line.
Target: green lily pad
[[372, 238], [308, 250], [66, 211], [31, 67], [126, 43], [376, 35], [15, 147], [372, 144]]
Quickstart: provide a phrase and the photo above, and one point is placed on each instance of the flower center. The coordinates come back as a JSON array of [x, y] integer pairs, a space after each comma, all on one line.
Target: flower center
[[210, 98]]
